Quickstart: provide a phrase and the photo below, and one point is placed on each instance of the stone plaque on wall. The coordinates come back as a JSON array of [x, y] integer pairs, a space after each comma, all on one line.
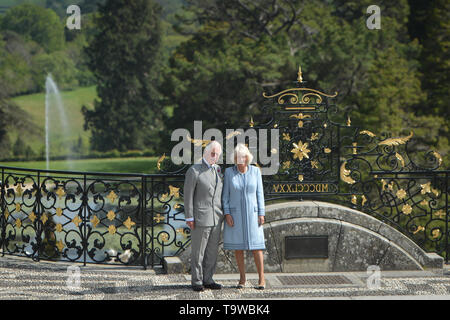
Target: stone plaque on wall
[[306, 247]]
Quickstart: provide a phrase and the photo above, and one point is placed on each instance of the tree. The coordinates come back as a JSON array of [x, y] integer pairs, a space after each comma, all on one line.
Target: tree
[[88, 6], [336, 52], [19, 147], [36, 23], [375, 72], [123, 58], [10, 114], [430, 24]]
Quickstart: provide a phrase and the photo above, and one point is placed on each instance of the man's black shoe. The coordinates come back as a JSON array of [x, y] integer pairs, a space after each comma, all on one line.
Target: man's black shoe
[[213, 286], [198, 288]]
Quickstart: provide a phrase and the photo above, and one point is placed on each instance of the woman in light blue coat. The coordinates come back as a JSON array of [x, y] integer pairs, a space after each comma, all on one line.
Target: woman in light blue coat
[[243, 206]]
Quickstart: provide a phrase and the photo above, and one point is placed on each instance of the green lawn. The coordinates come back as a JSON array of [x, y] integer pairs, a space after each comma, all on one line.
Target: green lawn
[[121, 165]]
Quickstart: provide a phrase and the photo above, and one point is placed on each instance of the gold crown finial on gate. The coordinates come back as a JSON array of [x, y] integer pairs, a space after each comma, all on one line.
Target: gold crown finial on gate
[[299, 78]]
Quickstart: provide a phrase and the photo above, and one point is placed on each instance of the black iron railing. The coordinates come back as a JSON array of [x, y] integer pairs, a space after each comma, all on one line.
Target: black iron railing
[[139, 219], [92, 217]]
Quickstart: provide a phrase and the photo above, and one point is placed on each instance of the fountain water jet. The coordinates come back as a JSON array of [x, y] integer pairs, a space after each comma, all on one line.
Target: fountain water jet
[[52, 91]]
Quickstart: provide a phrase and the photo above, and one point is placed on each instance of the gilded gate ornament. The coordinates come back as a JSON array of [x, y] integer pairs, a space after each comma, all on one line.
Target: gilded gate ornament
[[387, 179], [345, 174], [396, 141]]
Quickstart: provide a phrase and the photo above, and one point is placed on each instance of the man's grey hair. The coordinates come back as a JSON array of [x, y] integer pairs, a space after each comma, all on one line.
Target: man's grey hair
[[210, 145]]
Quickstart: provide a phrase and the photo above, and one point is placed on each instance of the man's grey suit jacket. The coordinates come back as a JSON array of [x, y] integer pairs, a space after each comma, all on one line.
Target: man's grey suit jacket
[[203, 195]]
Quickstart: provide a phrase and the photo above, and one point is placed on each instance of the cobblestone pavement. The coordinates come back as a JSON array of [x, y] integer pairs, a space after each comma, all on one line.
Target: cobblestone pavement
[[25, 279]]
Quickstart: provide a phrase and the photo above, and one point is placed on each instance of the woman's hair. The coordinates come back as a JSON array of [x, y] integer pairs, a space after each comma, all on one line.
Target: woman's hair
[[242, 150]]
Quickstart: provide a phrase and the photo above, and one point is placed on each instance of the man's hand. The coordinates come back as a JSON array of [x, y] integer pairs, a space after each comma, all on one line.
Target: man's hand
[[229, 220], [191, 224]]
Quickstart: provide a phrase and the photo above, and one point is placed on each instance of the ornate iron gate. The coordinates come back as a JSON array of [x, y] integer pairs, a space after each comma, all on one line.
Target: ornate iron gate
[[138, 219]]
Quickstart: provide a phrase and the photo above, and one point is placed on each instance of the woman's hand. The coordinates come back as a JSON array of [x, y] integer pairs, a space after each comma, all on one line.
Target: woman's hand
[[260, 220], [229, 220]]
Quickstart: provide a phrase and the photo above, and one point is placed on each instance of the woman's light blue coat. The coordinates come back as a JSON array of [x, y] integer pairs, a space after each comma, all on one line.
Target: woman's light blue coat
[[243, 198]]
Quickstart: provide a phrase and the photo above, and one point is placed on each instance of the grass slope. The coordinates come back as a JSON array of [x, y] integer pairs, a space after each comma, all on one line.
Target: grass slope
[[123, 165]]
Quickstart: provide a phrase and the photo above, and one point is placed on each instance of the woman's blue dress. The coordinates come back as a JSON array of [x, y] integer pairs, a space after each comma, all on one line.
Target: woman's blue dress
[[243, 198]]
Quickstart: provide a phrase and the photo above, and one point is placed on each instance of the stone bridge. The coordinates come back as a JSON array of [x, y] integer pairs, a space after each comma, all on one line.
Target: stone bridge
[[352, 241]]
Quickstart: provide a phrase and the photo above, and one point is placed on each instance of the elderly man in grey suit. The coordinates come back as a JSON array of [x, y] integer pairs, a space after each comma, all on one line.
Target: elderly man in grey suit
[[204, 216]]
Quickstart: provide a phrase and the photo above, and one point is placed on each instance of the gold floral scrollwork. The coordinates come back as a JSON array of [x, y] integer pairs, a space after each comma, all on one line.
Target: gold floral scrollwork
[[406, 209], [111, 215], [439, 157], [294, 97], [129, 223], [77, 220], [112, 229], [197, 142], [112, 196], [306, 98], [435, 192], [232, 134], [18, 223], [60, 193], [95, 221], [293, 100], [164, 196], [355, 145], [160, 160], [391, 186], [164, 237], [440, 213], [300, 117], [174, 191], [400, 158], [419, 228], [182, 232], [425, 188], [159, 218], [60, 245], [401, 194], [383, 185], [314, 136], [58, 227], [44, 218], [19, 190], [436, 233], [345, 174], [367, 132], [300, 150], [59, 212], [32, 217], [364, 200], [396, 141]]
